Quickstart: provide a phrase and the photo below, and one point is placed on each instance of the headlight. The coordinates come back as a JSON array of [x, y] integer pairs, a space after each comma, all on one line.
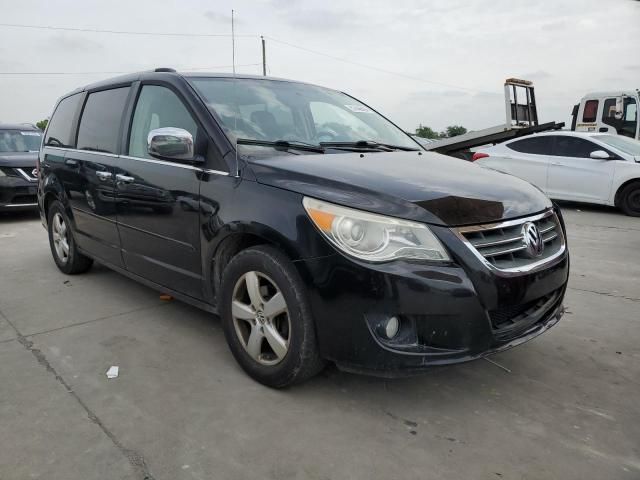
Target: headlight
[[371, 237]]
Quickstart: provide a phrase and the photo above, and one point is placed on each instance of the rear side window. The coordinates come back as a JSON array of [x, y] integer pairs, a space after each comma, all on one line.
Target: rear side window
[[590, 112], [60, 132], [533, 145], [574, 147], [100, 122]]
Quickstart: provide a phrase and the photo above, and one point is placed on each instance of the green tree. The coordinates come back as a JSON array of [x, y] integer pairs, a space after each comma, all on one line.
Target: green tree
[[426, 132], [455, 130], [42, 124]]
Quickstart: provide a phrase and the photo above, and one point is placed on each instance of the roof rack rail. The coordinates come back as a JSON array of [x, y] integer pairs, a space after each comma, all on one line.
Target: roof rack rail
[[165, 69]]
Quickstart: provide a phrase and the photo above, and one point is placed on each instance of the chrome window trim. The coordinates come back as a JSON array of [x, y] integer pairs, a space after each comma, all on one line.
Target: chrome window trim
[[515, 271], [148, 160], [14, 205], [162, 162], [25, 175], [216, 172]]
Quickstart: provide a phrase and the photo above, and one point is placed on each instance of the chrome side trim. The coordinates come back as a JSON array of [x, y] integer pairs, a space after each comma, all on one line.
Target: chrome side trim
[[515, 271], [148, 160], [216, 172], [9, 205], [162, 162]]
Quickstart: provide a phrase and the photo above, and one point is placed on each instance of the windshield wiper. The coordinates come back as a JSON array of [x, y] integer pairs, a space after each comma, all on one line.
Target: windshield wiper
[[367, 144], [282, 144]]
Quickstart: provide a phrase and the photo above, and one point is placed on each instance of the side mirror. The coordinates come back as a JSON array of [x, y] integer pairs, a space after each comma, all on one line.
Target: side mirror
[[170, 143], [600, 155]]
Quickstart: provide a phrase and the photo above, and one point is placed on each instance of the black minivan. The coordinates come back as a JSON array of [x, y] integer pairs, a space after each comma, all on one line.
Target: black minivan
[[317, 229]]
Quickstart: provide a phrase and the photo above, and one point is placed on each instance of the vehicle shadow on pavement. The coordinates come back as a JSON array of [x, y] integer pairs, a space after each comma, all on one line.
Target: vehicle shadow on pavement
[[588, 207], [21, 216]]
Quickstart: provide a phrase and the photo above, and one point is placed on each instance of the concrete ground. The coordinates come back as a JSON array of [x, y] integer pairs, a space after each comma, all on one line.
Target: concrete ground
[[181, 408]]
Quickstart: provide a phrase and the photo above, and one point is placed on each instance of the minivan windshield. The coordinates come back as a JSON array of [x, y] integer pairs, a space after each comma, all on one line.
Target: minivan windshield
[[12, 141], [282, 111], [627, 145]]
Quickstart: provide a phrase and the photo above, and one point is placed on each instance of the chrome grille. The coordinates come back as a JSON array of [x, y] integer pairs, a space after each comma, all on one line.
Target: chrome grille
[[502, 246]]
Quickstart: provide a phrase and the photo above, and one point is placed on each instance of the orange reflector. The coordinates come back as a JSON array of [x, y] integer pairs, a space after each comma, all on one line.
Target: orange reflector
[[322, 219], [166, 298]]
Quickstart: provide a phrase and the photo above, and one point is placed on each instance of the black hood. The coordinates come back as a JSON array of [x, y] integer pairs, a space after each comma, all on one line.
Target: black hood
[[430, 187], [18, 159]]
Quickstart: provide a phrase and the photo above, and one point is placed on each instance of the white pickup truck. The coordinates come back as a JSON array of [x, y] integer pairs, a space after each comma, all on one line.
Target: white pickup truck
[[613, 112]]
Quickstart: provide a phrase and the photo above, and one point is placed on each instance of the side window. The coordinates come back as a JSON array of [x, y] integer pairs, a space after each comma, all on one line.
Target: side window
[[574, 147], [590, 113], [157, 107], [609, 111], [100, 122], [629, 118], [59, 132], [534, 145]]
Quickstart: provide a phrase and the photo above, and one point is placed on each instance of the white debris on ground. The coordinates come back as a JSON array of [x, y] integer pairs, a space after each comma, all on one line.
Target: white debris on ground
[[113, 371]]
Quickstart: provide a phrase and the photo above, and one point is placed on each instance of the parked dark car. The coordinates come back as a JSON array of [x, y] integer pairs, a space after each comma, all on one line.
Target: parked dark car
[[19, 145], [317, 229]]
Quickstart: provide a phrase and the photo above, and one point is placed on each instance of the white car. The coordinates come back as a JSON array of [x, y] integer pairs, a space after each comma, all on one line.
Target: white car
[[576, 166]]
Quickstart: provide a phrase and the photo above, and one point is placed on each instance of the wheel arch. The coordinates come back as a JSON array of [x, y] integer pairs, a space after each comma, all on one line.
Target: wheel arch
[[236, 239], [52, 190], [616, 197]]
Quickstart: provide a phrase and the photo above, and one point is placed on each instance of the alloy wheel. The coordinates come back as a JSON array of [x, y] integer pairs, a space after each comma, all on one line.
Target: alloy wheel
[[60, 237], [261, 318]]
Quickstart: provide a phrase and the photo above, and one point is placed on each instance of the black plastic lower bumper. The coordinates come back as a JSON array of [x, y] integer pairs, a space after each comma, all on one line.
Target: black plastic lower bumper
[[444, 318], [17, 194]]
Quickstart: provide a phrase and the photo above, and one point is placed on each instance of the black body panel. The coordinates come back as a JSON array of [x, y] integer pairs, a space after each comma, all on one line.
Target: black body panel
[[448, 191]]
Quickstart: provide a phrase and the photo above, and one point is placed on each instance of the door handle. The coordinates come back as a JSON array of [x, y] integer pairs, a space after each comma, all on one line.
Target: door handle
[[71, 162], [557, 164], [124, 178], [103, 175]]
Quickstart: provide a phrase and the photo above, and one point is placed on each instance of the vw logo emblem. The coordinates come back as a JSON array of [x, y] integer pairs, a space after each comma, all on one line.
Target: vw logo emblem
[[532, 239]]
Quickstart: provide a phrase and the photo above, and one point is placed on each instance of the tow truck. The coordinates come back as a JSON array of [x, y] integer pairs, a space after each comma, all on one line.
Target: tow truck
[[614, 112], [521, 119]]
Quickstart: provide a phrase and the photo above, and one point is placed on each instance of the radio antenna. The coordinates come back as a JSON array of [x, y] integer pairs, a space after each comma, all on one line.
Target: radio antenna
[[235, 98], [233, 43]]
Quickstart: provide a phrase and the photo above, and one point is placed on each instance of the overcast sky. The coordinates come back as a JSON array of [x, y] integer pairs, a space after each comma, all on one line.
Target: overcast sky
[[466, 48]]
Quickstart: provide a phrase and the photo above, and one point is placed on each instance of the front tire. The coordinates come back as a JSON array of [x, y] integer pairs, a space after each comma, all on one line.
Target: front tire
[[629, 199], [63, 246], [266, 318]]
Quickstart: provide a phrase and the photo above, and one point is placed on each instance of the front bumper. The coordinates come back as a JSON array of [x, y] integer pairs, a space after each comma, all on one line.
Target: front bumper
[[17, 194], [449, 314]]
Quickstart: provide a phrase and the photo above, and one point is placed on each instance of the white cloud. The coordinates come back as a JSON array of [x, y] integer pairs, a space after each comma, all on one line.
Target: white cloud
[[474, 44]]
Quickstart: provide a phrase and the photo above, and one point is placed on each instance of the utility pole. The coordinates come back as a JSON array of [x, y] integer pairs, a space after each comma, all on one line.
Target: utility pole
[[264, 58]]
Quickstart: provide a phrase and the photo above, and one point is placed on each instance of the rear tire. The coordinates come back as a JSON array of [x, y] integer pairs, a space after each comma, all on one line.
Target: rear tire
[[63, 246], [629, 199], [266, 318]]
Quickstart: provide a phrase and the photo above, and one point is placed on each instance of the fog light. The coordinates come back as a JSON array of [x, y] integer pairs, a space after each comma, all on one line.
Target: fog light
[[392, 327]]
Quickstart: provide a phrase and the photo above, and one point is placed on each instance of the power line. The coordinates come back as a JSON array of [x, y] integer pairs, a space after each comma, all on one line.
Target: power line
[[123, 32], [371, 67], [178, 34], [191, 69]]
